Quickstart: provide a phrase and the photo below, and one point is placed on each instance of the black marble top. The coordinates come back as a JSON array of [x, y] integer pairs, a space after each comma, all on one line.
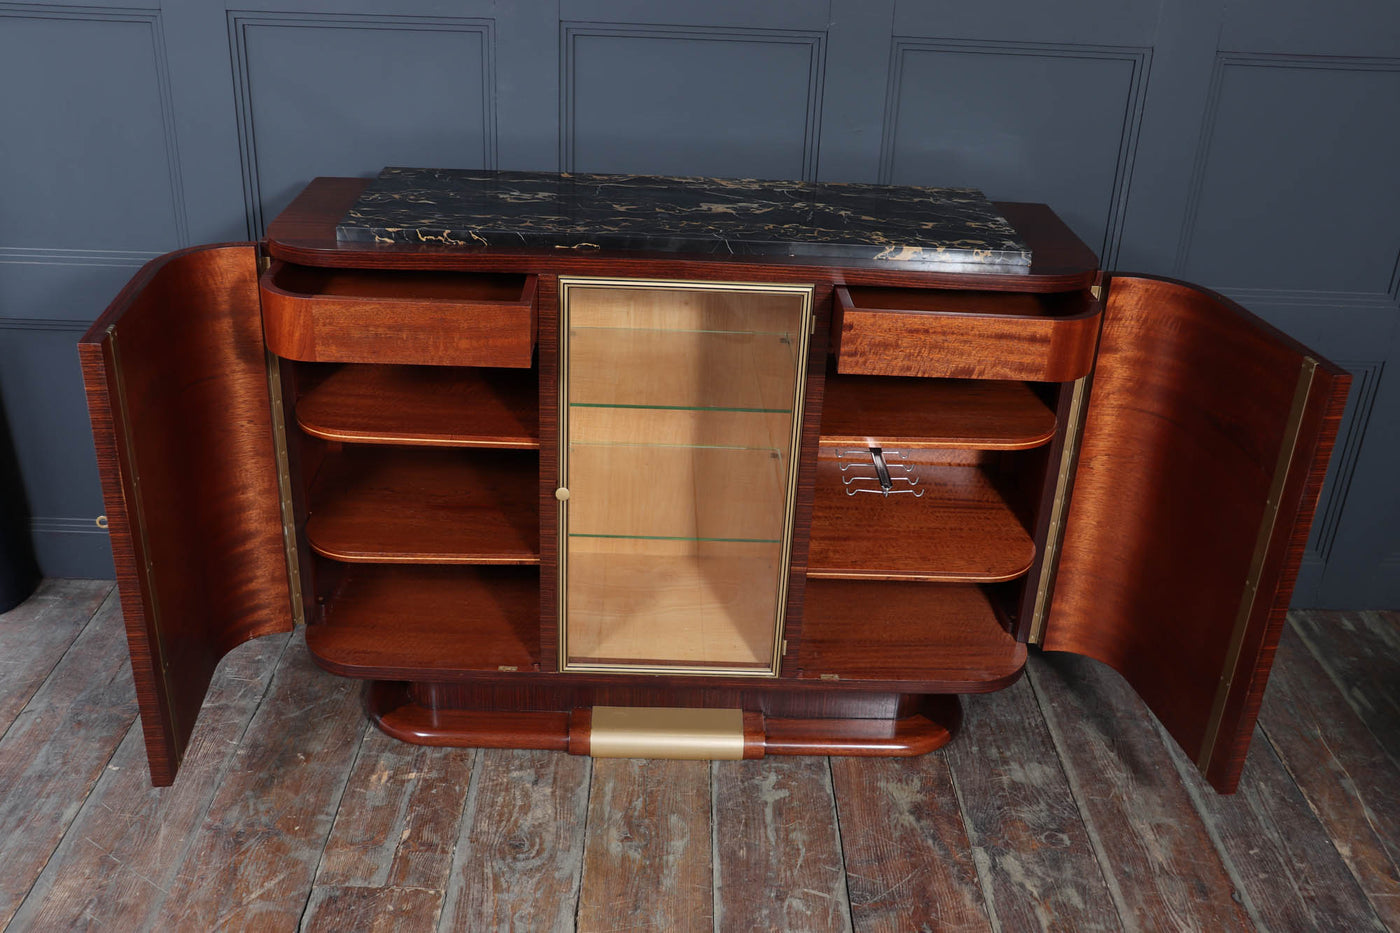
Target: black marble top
[[953, 229]]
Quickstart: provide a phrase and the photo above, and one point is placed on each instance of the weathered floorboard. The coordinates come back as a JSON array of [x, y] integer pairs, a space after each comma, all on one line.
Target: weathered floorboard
[[371, 909], [290, 813], [1036, 863], [778, 864], [120, 855], [1358, 650], [399, 818], [907, 860], [646, 860], [1157, 857], [520, 854], [1293, 877], [35, 634], [58, 747], [1347, 778], [252, 862]]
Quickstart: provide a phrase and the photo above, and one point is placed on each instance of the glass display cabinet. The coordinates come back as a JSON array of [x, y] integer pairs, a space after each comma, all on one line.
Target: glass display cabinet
[[701, 468], [679, 430]]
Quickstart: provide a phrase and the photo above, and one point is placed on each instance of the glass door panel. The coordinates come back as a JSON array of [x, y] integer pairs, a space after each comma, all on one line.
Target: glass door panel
[[680, 415]]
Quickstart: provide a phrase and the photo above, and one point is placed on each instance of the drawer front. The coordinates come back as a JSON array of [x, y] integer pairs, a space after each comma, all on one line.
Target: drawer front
[[438, 319], [965, 336]]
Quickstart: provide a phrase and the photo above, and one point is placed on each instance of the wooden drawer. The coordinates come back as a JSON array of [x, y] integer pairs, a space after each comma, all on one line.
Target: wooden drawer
[[965, 334], [433, 318]]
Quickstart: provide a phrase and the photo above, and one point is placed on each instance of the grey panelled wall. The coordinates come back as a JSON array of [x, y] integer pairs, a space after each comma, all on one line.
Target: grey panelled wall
[[1249, 146]]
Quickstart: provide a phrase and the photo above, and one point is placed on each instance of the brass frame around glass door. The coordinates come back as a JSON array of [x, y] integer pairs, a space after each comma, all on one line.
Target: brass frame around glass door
[[680, 422]]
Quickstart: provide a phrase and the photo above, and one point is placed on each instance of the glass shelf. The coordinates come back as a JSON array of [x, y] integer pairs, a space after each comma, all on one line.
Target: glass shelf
[[680, 370], [676, 493]]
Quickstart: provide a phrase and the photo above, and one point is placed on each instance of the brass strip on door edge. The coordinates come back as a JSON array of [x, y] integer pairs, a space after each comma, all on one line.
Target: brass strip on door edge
[[1288, 452], [284, 487], [1059, 506]]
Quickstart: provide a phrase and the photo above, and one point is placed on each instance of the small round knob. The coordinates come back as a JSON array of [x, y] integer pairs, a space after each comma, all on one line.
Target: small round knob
[[562, 494]]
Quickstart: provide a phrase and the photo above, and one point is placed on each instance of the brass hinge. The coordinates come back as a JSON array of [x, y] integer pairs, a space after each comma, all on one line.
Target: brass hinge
[[1288, 451], [284, 488], [1059, 509]]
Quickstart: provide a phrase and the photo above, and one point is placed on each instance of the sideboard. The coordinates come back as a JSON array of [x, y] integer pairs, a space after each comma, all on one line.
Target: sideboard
[[609, 485]]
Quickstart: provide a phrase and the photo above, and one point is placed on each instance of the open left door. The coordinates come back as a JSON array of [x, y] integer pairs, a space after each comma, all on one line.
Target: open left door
[[1204, 449], [177, 389]]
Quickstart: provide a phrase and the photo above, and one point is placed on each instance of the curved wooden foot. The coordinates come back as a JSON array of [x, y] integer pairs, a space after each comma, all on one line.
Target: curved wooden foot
[[931, 728], [393, 709]]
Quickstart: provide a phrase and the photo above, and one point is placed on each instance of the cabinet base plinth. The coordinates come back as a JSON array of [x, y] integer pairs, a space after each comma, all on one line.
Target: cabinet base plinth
[[926, 723]]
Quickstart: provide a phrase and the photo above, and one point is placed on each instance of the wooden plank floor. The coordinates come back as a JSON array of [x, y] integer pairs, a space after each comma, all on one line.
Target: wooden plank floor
[[1061, 806]]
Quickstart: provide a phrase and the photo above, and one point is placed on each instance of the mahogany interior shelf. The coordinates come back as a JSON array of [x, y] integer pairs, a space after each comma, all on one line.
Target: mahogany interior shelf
[[913, 632], [913, 413], [423, 505], [401, 621], [446, 406], [960, 529]]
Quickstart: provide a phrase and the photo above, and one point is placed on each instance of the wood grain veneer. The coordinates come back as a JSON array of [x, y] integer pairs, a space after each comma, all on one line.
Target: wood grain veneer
[[910, 413], [171, 367], [425, 505], [961, 529], [965, 335], [443, 406], [379, 316], [408, 622], [1187, 438], [945, 635], [549, 471]]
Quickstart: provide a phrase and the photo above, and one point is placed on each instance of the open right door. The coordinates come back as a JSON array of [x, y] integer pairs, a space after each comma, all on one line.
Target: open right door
[[1204, 448]]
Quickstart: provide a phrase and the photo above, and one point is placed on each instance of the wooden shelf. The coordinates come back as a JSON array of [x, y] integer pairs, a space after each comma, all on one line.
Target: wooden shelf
[[421, 505], [945, 635], [424, 405], [961, 529], [894, 411], [405, 622]]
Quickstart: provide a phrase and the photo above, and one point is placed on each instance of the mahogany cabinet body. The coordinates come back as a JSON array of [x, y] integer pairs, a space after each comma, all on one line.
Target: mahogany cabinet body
[[367, 438]]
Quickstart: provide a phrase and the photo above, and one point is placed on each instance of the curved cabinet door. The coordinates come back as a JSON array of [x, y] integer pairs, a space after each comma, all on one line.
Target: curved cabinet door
[[177, 388], [1205, 443]]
